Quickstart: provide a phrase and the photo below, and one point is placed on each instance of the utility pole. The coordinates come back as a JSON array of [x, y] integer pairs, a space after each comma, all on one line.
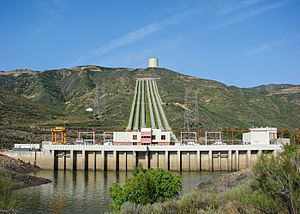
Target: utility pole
[[191, 112], [100, 101]]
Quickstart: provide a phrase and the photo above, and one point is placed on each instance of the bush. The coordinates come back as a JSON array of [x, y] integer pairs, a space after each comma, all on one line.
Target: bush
[[146, 187], [247, 200], [279, 179]]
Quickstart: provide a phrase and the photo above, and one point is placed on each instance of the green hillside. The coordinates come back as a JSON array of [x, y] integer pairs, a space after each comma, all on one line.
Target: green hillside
[[35, 101]]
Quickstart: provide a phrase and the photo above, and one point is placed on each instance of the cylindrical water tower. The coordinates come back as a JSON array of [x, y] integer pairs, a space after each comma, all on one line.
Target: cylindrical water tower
[[152, 63]]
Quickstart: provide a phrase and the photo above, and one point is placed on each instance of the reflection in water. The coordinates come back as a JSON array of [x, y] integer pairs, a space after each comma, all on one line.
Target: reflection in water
[[57, 204], [87, 192]]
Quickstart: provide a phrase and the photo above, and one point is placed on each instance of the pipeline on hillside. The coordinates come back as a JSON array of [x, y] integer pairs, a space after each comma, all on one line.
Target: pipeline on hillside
[[159, 102], [138, 104], [137, 118], [153, 126], [129, 127], [158, 119]]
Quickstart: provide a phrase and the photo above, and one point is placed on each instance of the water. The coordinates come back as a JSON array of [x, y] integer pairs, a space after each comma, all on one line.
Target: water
[[87, 192]]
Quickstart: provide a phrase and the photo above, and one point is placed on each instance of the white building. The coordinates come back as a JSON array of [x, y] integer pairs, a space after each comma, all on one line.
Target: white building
[[26, 147], [260, 136]]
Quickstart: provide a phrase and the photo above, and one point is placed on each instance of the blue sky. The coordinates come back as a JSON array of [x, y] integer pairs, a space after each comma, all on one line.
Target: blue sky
[[243, 43]]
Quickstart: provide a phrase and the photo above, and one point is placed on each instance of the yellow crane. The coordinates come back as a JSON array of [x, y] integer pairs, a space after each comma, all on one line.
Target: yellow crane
[[59, 135]]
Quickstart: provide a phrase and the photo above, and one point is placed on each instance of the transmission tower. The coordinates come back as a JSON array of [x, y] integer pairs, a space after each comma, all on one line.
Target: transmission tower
[[191, 114], [99, 101]]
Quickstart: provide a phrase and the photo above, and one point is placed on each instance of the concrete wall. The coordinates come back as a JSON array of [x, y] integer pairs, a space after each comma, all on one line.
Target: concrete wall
[[126, 158]]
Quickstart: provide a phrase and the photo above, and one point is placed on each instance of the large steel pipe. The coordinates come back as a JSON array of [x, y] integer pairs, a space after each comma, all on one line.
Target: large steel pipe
[[129, 127], [159, 102], [158, 119], [156, 89], [137, 112], [143, 105], [150, 107], [158, 99]]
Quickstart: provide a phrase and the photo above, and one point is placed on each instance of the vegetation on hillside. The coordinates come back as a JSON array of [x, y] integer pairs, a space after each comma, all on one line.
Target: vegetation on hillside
[[60, 97], [273, 188]]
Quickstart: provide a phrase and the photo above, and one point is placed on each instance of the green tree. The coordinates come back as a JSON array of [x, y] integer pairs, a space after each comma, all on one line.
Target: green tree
[[279, 179], [146, 187]]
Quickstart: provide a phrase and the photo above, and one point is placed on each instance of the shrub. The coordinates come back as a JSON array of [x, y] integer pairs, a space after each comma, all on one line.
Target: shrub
[[146, 187], [278, 178]]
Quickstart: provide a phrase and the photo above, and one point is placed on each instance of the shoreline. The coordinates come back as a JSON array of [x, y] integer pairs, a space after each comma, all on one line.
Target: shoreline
[[223, 182], [18, 172]]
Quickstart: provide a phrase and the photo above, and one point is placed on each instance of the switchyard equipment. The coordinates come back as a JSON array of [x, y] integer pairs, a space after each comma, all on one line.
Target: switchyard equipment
[[59, 135], [212, 137], [189, 138], [86, 137], [107, 138]]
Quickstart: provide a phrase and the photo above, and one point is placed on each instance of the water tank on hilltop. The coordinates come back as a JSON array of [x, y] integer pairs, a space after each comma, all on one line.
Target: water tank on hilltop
[[152, 63]]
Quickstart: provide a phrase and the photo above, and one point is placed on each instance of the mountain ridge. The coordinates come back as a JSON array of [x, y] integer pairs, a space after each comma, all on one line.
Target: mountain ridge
[[101, 68], [61, 96]]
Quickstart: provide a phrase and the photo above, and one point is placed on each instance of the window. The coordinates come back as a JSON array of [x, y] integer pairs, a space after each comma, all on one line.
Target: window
[[146, 136], [134, 137], [163, 137], [153, 137]]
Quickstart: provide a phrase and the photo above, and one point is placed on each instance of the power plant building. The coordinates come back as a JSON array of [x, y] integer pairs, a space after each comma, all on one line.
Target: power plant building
[[146, 136], [260, 136]]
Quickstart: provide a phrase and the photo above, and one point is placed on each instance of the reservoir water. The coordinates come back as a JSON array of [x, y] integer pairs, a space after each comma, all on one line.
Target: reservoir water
[[87, 192]]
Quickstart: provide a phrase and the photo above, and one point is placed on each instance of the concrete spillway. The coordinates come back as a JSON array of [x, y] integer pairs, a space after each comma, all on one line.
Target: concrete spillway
[[146, 90]]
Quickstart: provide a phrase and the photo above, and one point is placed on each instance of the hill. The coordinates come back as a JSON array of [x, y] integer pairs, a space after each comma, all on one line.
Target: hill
[[32, 101]]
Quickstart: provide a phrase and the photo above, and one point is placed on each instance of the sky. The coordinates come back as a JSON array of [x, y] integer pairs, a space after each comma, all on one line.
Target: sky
[[244, 43]]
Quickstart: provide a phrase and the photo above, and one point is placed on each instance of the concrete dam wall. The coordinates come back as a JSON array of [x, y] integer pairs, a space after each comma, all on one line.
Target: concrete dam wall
[[126, 158]]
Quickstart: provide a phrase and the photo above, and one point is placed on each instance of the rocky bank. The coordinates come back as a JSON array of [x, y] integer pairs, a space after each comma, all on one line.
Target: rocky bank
[[19, 172], [225, 181]]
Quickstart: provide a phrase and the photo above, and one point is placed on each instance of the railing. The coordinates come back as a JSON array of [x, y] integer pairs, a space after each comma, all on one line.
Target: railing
[[202, 137]]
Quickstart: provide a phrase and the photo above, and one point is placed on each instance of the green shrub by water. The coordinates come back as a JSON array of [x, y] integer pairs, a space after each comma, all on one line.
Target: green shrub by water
[[146, 187]]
